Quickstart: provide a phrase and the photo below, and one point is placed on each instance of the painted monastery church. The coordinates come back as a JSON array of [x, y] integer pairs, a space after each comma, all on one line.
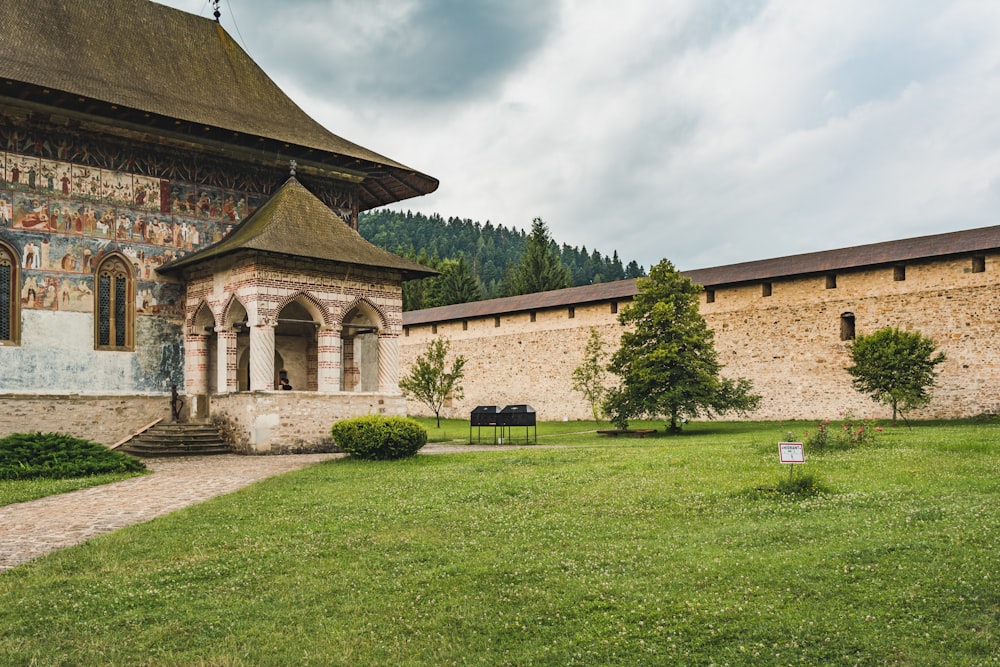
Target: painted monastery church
[[171, 221]]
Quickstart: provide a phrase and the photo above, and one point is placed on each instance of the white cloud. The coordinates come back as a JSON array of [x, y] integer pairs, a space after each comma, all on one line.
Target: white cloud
[[706, 132]]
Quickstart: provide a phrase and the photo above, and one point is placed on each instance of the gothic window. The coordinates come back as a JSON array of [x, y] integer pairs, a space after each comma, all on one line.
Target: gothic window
[[114, 305], [9, 297]]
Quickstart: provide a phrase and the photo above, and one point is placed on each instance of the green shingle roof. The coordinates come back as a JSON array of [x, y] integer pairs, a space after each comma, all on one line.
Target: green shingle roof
[[295, 223]]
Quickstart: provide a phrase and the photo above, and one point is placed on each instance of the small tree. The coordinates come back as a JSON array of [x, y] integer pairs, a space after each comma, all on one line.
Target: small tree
[[895, 368], [589, 376], [429, 382], [667, 361]]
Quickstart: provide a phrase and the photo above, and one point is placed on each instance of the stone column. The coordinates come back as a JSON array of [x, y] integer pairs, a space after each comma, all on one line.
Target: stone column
[[388, 364], [226, 361], [195, 364], [328, 360], [261, 358]]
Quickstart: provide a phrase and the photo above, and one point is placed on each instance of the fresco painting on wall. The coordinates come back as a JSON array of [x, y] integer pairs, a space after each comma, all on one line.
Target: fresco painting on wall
[[116, 188], [6, 209], [86, 182], [30, 212]]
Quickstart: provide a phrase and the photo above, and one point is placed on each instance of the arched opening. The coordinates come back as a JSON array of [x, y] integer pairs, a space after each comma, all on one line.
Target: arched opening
[[204, 325], [239, 356], [295, 341], [359, 349], [114, 304], [10, 302]]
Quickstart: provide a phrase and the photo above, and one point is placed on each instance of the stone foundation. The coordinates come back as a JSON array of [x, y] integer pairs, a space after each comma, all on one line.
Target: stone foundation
[[284, 422], [103, 419]]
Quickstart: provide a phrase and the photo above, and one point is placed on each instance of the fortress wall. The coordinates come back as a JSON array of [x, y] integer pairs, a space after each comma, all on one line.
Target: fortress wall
[[788, 343]]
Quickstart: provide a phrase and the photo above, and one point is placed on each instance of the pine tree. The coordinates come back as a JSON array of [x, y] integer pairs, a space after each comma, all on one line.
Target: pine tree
[[667, 361], [540, 268]]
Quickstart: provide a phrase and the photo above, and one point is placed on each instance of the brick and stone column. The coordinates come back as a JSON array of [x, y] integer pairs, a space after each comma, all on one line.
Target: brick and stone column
[[226, 382], [388, 364], [328, 360], [261, 358]]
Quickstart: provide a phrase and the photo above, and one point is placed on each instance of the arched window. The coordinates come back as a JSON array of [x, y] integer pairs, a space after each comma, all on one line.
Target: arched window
[[10, 302], [114, 305]]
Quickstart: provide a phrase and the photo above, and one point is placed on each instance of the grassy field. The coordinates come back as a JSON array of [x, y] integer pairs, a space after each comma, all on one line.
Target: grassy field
[[581, 551]]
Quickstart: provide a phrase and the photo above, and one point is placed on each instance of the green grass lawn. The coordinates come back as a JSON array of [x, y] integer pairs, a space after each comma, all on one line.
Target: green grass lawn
[[18, 491], [591, 551]]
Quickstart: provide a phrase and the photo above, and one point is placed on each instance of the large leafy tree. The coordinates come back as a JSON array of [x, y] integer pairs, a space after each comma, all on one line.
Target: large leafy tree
[[894, 367], [430, 381], [540, 268], [667, 362]]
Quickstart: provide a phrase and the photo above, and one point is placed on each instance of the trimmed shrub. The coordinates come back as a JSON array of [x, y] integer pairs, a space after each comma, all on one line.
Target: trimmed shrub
[[59, 456], [378, 438]]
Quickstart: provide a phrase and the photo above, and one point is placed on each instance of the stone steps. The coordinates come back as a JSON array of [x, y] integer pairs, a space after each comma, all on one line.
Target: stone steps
[[188, 439]]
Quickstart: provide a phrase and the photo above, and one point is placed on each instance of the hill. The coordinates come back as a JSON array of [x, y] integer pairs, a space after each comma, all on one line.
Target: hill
[[481, 252]]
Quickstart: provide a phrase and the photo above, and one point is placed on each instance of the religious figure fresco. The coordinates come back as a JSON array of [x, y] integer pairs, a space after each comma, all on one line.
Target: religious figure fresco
[[30, 212]]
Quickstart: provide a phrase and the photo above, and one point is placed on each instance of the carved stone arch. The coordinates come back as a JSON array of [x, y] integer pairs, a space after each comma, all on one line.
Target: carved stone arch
[[319, 312], [368, 308], [114, 303], [202, 321], [234, 311]]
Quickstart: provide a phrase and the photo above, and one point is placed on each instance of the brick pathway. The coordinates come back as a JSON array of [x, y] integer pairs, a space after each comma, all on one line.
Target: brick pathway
[[32, 529]]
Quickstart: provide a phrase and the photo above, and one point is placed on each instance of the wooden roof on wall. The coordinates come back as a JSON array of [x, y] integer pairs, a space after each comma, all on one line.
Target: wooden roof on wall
[[814, 263], [143, 63]]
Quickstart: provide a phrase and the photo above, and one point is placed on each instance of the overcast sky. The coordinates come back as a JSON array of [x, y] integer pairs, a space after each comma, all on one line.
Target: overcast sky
[[704, 131]]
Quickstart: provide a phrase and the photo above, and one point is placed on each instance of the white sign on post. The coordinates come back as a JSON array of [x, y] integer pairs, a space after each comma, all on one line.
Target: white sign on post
[[791, 452]]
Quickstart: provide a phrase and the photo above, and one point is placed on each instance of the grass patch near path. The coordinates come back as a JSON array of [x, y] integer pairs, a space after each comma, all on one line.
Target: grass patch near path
[[598, 552], [22, 490]]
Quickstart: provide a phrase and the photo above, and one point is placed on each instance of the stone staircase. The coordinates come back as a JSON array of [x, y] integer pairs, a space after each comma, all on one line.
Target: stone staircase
[[174, 439]]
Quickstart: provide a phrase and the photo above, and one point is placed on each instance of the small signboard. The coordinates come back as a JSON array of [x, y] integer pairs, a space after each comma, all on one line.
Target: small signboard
[[791, 452]]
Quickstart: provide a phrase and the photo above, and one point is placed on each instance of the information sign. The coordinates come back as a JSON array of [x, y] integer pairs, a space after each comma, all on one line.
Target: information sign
[[791, 452]]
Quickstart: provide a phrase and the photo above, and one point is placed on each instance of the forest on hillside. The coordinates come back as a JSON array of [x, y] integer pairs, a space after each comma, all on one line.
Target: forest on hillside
[[482, 260]]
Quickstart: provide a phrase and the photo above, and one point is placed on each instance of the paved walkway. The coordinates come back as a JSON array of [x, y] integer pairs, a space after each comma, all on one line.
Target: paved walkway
[[34, 528], [31, 529]]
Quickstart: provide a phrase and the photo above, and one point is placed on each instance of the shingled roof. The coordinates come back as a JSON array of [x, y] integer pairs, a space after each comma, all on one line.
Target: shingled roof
[[139, 61], [813, 263], [295, 223]]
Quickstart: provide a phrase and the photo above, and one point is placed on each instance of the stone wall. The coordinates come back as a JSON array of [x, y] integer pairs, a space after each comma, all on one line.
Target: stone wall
[[101, 418], [292, 421], [788, 343]]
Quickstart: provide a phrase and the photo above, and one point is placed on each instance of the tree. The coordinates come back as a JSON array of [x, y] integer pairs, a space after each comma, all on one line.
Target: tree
[[895, 368], [667, 363], [429, 382], [540, 268], [589, 376], [456, 284]]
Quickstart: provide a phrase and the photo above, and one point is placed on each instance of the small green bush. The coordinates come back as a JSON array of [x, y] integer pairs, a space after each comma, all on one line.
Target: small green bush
[[801, 485], [379, 438], [59, 456]]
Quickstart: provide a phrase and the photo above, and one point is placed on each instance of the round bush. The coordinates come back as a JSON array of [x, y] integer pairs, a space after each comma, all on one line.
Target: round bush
[[379, 438]]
